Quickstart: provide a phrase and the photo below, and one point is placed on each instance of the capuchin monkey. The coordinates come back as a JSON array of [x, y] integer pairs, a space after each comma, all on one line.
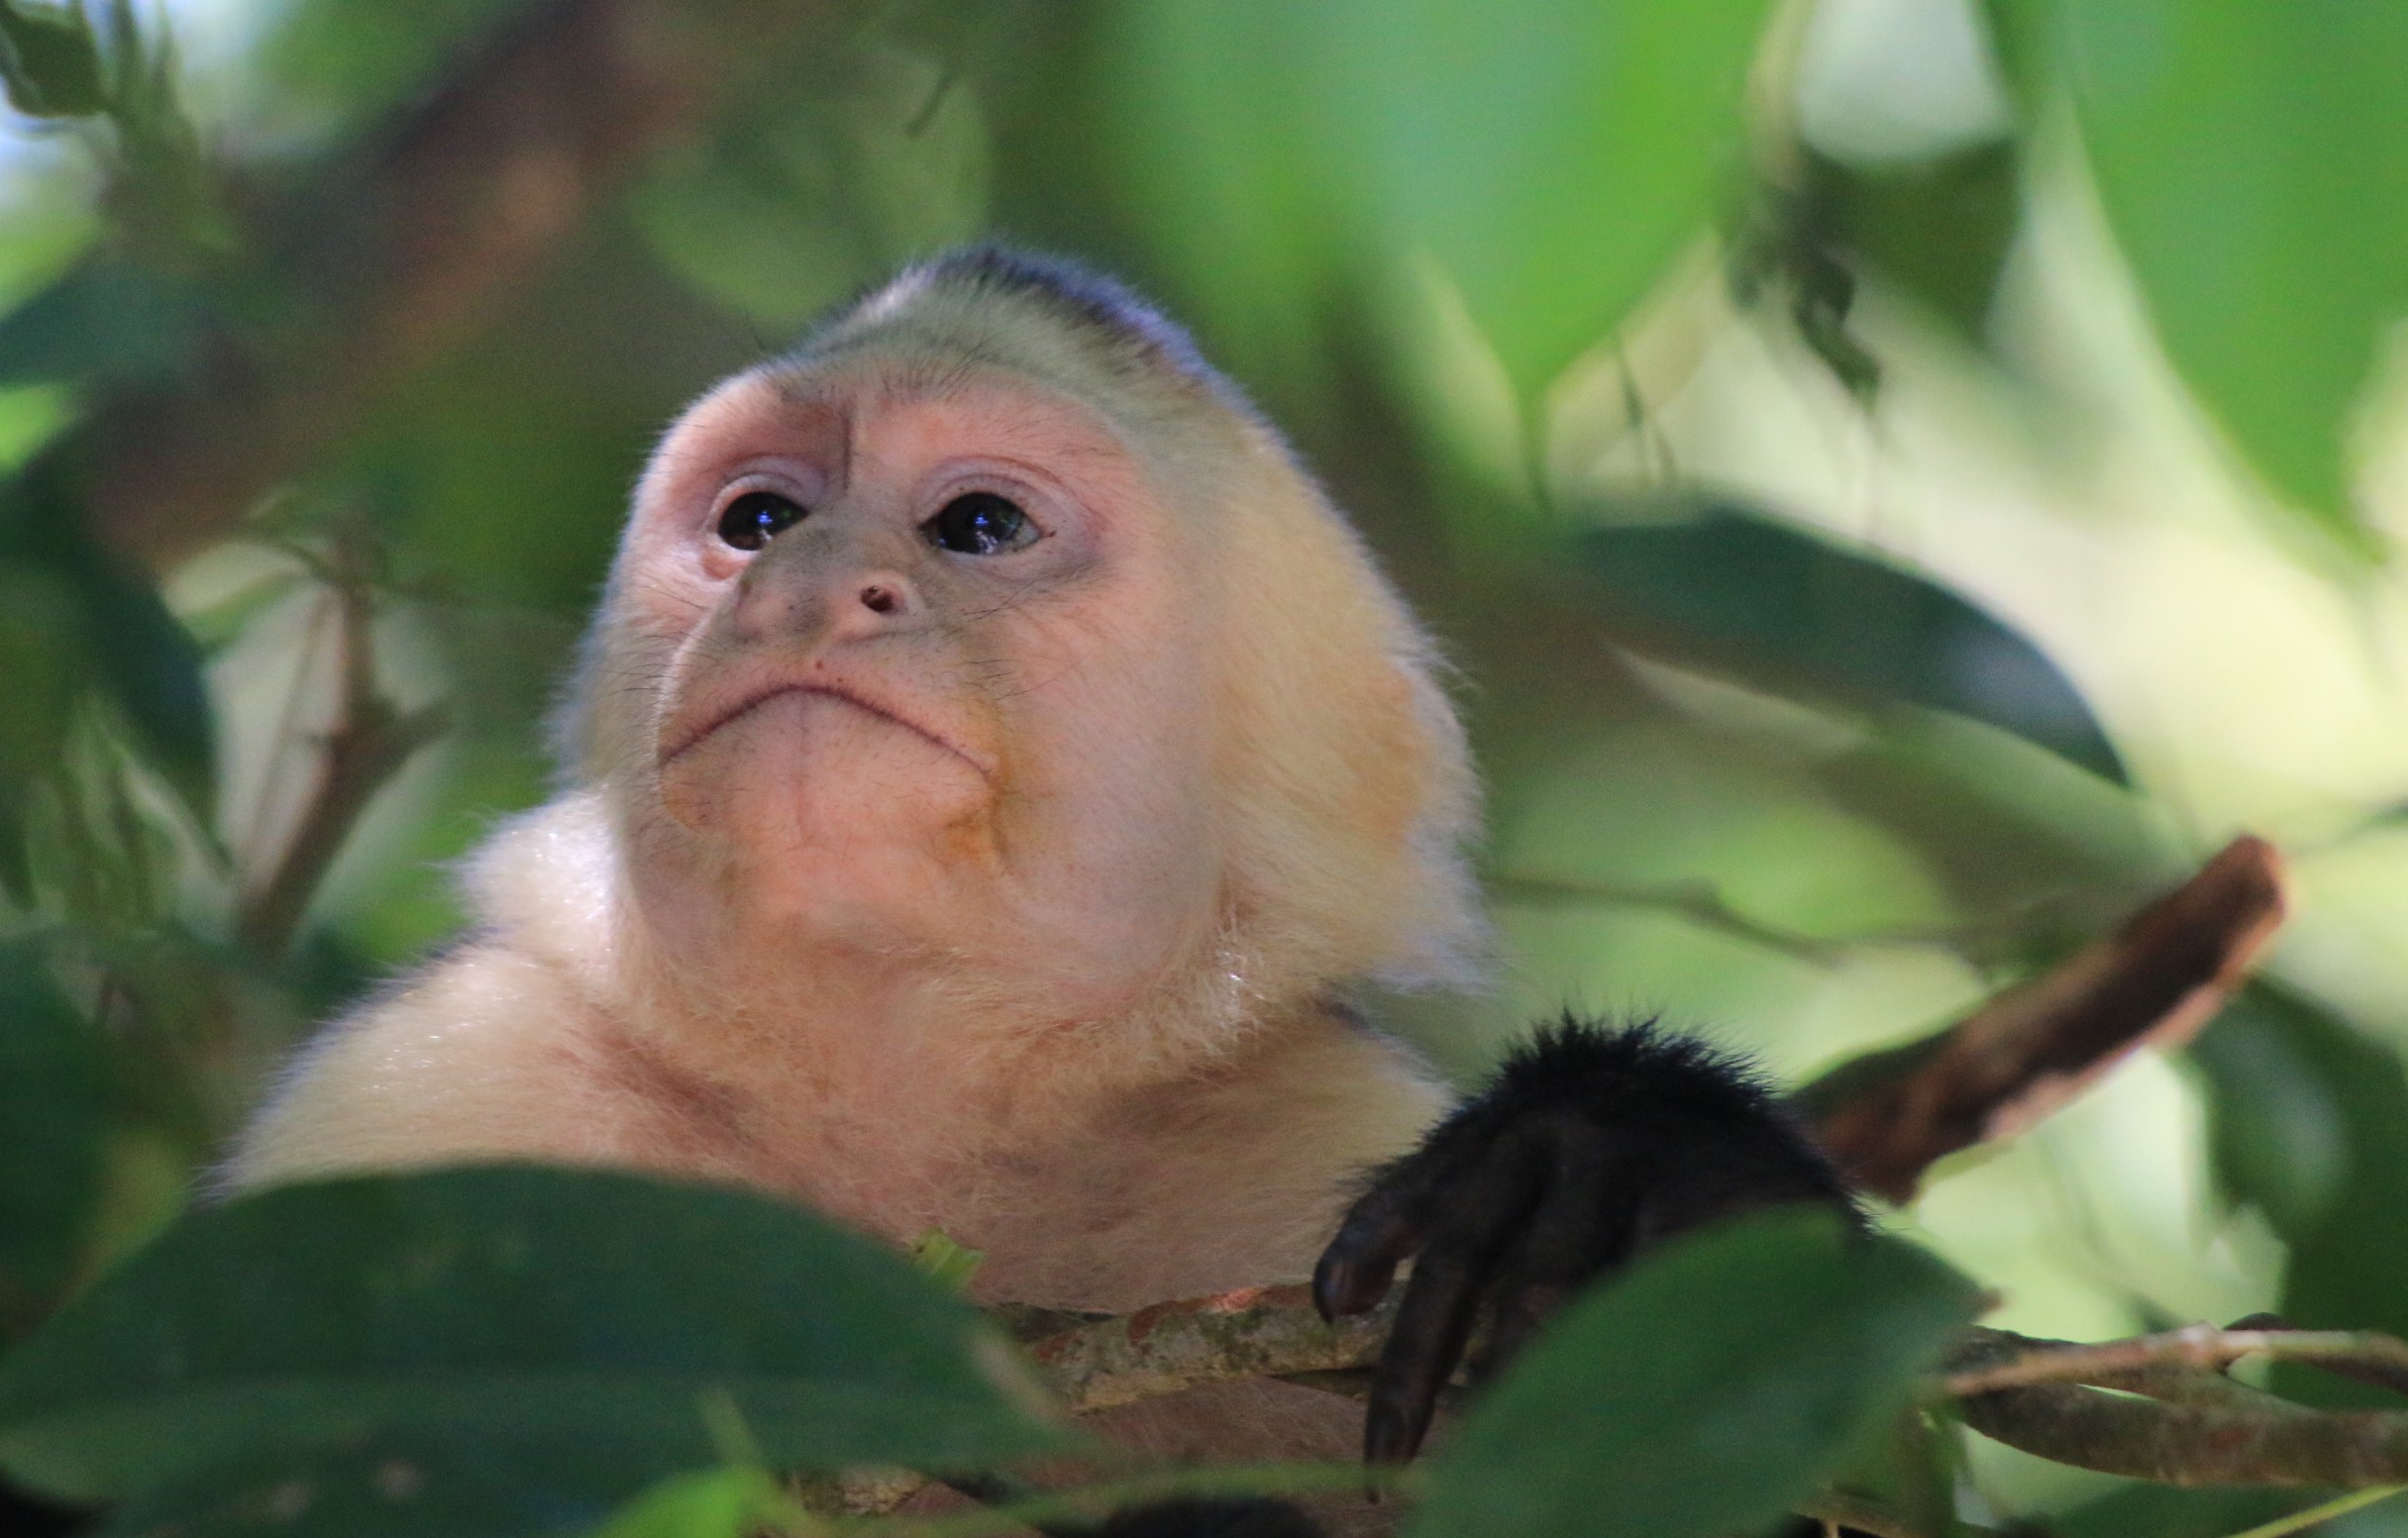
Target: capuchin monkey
[[993, 769]]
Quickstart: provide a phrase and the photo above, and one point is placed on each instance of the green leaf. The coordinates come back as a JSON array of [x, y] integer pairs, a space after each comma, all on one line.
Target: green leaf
[[713, 1503], [1746, 593], [54, 1088], [578, 1326], [50, 62], [125, 639], [2252, 159], [1704, 1391], [1211, 114], [1553, 155], [1940, 229], [2288, 1083], [819, 190], [109, 320]]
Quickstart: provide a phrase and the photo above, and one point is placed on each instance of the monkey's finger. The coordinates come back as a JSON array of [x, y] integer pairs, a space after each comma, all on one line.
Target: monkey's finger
[[1580, 1226], [1443, 1297], [1355, 1272]]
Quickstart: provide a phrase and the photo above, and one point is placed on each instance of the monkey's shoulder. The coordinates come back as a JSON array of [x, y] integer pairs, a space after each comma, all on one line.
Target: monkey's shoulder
[[485, 1053]]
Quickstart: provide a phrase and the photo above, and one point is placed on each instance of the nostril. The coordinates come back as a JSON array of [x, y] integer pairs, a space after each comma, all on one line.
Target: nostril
[[879, 600]]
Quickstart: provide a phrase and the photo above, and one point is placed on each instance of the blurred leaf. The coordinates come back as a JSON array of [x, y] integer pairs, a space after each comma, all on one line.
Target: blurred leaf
[[423, 1482], [43, 668], [2048, 853], [340, 64], [1940, 230], [713, 1503], [1771, 600], [2253, 161], [1213, 115], [568, 1325], [2164, 1511], [108, 320], [2276, 1129], [50, 60], [1703, 1391], [945, 1262], [822, 188], [1554, 155], [53, 1105], [122, 635], [222, 623], [2288, 1082]]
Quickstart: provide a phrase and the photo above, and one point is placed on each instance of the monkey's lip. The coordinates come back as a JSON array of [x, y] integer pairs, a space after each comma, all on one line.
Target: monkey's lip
[[752, 699]]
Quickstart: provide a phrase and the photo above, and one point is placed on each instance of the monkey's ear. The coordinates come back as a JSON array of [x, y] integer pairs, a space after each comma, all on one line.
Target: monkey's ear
[[1590, 1145]]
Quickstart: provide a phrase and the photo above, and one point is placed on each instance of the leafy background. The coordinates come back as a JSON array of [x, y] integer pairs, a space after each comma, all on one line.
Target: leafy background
[[1903, 479]]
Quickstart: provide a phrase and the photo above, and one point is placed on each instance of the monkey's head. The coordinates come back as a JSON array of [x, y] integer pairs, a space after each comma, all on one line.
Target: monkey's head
[[993, 624]]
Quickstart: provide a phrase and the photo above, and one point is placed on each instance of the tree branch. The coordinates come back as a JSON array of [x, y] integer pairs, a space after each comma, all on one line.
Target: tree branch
[[408, 250], [369, 743], [1888, 1117], [1259, 1332]]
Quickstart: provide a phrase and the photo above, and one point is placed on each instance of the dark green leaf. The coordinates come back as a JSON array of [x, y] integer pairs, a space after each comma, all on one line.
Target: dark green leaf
[[50, 62], [575, 1325], [126, 642], [109, 320], [1705, 1390], [2309, 1121], [1745, 592], [52, 1105], [1553, 155], [2253, 161], [1940, 230]]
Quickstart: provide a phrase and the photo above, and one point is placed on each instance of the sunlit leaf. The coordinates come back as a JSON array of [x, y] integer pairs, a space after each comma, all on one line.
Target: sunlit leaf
[[577, 1327], [2253, 161], [1553, 155], [1702, 1392], [53, 1100], [713, 1503], [1212, 118], [1775, 602]]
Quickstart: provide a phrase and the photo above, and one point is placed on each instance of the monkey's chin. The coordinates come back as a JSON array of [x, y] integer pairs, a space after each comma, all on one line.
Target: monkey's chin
[[812, 805]]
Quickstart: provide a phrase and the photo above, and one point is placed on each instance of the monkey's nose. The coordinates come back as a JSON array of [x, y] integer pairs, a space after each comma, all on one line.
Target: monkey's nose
[[879, 598]]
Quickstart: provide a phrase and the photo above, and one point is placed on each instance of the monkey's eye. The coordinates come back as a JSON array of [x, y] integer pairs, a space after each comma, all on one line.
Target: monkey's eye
[[980, 523], [748, 522]]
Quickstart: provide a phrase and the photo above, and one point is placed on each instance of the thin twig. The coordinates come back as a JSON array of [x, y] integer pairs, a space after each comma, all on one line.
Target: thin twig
[[2325, 1511], [369, 743], [2198, 1346]]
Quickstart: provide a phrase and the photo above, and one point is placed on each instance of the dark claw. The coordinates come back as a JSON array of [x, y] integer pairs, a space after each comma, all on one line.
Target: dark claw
[[1591, 1144]]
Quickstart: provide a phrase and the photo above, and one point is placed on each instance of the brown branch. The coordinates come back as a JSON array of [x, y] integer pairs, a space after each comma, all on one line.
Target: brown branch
[[369, 743], [410, 250], [1259, 1332], [2113, 1364], [1888, 1117], [2270, 1441], [2175, 1418]]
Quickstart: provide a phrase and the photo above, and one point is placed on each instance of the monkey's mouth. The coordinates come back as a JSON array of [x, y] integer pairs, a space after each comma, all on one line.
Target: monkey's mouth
[[745, 704]]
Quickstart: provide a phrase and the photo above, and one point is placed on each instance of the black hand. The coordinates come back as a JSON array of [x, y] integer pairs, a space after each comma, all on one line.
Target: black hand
[[1590, 1144]]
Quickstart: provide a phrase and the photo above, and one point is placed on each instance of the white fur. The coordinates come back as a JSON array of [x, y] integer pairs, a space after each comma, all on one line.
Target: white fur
[[1020, 907]]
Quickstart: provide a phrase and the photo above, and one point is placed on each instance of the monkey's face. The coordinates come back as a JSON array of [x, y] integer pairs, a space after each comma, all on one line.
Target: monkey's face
[[910, 668]]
